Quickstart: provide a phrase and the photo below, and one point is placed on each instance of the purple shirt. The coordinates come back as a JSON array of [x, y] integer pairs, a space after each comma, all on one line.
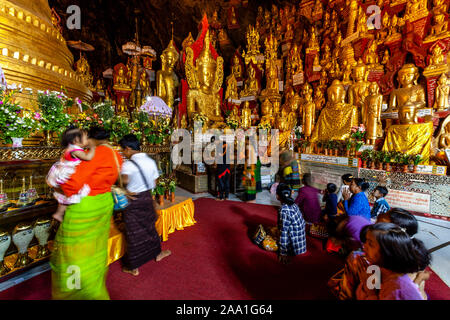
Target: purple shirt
[[354, 226], [392, 287], [308, 202]]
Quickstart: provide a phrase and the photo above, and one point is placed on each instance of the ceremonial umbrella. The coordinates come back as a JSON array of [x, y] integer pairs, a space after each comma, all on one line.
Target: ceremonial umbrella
[[80, 45], [155, 106], [108, 73]]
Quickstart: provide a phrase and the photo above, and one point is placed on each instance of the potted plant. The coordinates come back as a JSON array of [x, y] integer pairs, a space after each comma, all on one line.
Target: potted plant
[[364, 158], [53, 107], [379, 156], [20, 129], [153, 193], [172, 187], [387, 160], [415, 160], [405, 162], [119, 127], [160, 190], [397, 160]]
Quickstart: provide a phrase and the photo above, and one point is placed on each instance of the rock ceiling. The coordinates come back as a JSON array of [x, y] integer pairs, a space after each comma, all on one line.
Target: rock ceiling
[[108, 24]]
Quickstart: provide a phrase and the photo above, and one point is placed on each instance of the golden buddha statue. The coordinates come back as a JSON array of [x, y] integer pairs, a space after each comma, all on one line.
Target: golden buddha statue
[[386, 58], [437, 59], [409, 91], [372, 59], [289, 35], [232, 90], [183, 122], [326, 62], [295, 59], [234, 115], [316, 64], [416, 9], [144, 84], [308, 111], [319, 99], [372, 120], [99, 86], [276, 103], [393, 33], [252, 87], [236, 68], [352, 16], [233, 20], [346, 74], [205, 80], [121, 80], [439, 29], [272, 87], [122, 107], [358, 91], [166, 79], [285, 123], [441, 99], [246, 116], [266, 112], [187, 42], [362, 24], [313, 42], [443, 139], [330, 126]]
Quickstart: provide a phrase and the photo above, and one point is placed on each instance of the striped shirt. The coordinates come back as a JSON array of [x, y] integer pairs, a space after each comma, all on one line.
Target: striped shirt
[[380, 206]]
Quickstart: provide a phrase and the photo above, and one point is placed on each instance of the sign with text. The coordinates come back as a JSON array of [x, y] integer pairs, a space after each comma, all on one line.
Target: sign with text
[[250, 98], [240, 83], [298, 79], [341, 161], [412, 201]]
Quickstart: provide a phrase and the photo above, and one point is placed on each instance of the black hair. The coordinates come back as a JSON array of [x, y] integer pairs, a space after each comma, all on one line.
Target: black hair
[[404, 219], [307, 179], [331, 188], [383, 190], [361, 183], [347, 177], [71, 134], [399, 252], [98, 133], [284, 192], [131, 141]]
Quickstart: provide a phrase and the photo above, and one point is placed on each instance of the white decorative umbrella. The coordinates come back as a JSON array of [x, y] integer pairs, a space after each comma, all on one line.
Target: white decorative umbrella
[[108, 73], [155, 106]]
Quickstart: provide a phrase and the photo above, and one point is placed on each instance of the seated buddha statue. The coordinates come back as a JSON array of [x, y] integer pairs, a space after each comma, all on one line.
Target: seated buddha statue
[[337, 118], [443, 139], [232, 90], [166, 78], [372, 59], [409, 90], [252, 87], [205, 80], [437, 59], [121, 80], [236, 68], [440, 22]]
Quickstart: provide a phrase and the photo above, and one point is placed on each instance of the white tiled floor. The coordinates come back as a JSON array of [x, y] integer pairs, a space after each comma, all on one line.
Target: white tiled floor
[[432, 232]]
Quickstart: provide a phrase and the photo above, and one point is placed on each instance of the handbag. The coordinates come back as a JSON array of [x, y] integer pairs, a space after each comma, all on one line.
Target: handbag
[[118, 192]]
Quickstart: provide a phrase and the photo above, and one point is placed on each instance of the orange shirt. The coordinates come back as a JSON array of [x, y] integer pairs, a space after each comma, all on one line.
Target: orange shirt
[[100, 173]]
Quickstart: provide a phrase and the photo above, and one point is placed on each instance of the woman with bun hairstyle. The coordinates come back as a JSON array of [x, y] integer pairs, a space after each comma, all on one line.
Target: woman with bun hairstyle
[[357, 204], [399, 256]]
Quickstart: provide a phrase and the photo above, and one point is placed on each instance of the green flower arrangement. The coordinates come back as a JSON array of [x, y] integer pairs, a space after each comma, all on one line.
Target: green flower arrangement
[[265, 126], [416, 159], [53, 108], [104, 110], [233, 124], [119, 127], [161, 187]]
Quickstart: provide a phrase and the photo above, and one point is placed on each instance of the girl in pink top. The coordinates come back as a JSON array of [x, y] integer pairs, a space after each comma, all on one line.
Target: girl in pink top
[[74, 141]]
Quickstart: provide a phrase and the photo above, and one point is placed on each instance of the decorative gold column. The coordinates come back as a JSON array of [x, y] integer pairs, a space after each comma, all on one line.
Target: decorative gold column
[[33, 53]]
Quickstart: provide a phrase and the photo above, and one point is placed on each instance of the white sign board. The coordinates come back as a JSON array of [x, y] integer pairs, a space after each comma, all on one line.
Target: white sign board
[[411, 201], [240, 83], [341, 161], [298, 79], [424, 112], [280, 85], [250, 98]]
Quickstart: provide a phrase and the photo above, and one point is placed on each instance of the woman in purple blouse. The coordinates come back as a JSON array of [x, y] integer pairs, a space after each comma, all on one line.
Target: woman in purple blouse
[[308, 200]]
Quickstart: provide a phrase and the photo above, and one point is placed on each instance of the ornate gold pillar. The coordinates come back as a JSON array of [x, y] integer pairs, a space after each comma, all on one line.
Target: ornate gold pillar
[[33, 53]]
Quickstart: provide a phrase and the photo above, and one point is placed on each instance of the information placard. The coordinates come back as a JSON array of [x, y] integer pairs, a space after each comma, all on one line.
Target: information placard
[[412, 201]]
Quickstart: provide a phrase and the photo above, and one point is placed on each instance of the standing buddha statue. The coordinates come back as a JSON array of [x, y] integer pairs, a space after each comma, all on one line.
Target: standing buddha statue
[[246, 116], [308, 111], [166, 79], [372, 121], [358, 91], [441, 103], [205, 79]]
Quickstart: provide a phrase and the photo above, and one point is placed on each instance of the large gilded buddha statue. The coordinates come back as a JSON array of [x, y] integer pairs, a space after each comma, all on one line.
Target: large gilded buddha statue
[[409, 92], [337, 118], [204, 77], [166, 79]]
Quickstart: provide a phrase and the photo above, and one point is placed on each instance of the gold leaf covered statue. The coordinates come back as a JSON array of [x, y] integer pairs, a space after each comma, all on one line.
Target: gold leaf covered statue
[[443, 139], [409, 91], [232, 90], [266, 112], [358, 91], [372, 59], [331, 127], [373, 104], [437, 59], [309, 112], [166, 79], [441, 100], [121, 80], [205, 80], [439, 28], [246, 116], [252, 86]]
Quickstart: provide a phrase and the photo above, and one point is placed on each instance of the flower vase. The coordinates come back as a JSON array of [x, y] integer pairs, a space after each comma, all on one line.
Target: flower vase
[[414, 169], [17, 142], [364, 164], [347, 153], [166, 195], [405, 168], [172, 197], [372, 165], [388, 167], [326, 152], [380, 166]]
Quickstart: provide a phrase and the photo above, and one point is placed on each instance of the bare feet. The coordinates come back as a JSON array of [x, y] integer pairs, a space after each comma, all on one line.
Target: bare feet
[[163, 254], [134, 272]]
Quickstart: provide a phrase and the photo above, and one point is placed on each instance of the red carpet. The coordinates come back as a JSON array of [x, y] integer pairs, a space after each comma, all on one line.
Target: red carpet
[[216, 260]]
